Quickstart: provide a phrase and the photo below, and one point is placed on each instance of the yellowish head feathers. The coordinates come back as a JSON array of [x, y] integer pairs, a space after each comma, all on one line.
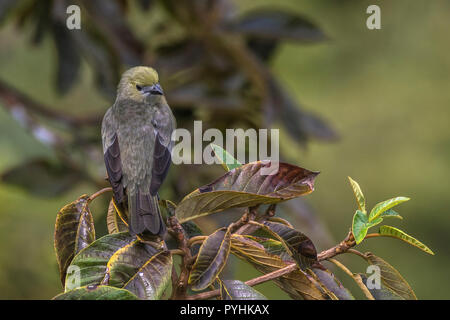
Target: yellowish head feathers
[[140, 76]]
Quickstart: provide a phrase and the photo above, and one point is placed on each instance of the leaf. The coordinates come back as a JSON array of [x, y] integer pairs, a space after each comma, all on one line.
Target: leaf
[[297, 283], [277, 24], [49, 179], [390, 213], [358, 195], [91, 261], [382, 293], [238, 290], [280, 220], [142, 268], [113, 221], [246, 186], [299, 246], [211, 259], [391, 278], [328, 279], [96, 293], [273, 246], [74, 230], [384, 206], [361, 224], [227, 160], [399, 234], [169, 206]]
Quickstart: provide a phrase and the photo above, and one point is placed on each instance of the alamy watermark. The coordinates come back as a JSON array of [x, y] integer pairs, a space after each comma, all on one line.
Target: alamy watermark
[[73, 21], [374, 280], [189, 149], [374, 20]]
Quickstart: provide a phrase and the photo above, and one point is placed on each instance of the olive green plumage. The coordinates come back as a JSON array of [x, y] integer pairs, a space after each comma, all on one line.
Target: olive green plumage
[[136, 134]]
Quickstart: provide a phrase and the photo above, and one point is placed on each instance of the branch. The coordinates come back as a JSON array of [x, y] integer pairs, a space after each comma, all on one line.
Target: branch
[[99, 193], [355, 277], [196, 239], [253, 282], [13, 96], [343, 247], [180, 286], [248, 227]]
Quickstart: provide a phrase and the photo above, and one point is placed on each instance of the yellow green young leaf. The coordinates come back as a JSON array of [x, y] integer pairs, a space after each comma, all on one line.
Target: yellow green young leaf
[[361, 224], [384, 206], [358, 195], [399, 234], [227, 161]]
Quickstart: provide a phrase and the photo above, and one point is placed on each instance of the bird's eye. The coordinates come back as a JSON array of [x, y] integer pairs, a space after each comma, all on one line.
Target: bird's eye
[[138, 87]]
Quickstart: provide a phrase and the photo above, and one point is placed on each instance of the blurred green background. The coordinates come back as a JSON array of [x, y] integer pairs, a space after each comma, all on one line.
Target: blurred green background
[[386, 92]]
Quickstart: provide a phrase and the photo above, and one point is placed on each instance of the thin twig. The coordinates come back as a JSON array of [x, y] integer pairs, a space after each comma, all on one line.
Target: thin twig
[[355, 277], [249, 228], [177, 252], [253, 282], [356, 252], [342, 247], [99, 193], [7, 92], [196, 239]]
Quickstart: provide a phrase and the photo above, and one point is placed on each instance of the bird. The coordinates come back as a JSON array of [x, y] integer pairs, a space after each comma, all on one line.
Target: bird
[[136, 136]]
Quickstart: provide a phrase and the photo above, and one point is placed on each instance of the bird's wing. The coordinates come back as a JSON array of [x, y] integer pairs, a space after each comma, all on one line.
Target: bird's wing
[[163, 148], [111, 154]]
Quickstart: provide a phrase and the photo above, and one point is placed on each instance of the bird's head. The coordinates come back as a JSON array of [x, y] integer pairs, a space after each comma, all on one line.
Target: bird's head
[[140, 84]]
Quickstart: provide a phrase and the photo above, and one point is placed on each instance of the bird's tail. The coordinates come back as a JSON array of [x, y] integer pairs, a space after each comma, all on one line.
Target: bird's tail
[[145, 214]]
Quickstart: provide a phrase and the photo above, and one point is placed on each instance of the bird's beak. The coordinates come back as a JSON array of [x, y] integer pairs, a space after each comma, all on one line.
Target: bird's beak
[[154, 89]]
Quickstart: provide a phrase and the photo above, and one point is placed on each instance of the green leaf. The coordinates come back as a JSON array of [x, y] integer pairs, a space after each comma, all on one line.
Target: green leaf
[[391, 278], [297, 284], [227, 161], [299, 246], [142, 268], [238, 290], [90, 263], [211, 259], [74, 230], [390, 213], [96, 293], [328, 279], [383, 293], [384, 206], [358, 195], [247, 186], [113, 221], [361, 224], [399, 234]]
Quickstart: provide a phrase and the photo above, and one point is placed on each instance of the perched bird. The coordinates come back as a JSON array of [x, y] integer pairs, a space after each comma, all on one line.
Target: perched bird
[[137, 145]]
